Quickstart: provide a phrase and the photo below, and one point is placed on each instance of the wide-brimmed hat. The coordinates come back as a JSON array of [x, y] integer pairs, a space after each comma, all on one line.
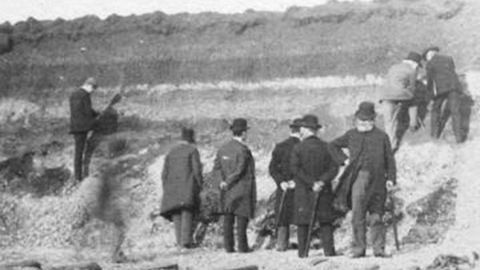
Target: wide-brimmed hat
[[310, 121], [296, 123], [239, 124], [188, 134], [91, 81], [366, 111], [432, 48], [415, 57]]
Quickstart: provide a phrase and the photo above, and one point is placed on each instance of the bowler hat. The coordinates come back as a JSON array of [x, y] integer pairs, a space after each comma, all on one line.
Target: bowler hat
[[433, 48], [188, 134], [239, 124], [91, 81], [296, 123], [366, 111], [310, 121], [415, 57]]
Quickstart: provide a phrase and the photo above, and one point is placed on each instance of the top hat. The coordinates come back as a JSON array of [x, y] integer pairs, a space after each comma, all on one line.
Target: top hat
[[239, 124], [310, 121], [415, 57], [433, 48], [188, 134], [297, 122], [366, 111]]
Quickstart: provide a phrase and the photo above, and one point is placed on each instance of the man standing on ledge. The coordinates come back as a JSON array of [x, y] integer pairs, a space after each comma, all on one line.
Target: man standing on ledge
[[363, 184], [82, 121], [398, 96], [279, 169], [235, 165], [444, 85], [313, 169]]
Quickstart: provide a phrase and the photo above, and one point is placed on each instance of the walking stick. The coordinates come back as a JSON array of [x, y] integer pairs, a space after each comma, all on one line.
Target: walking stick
[[394, 219], [312, 223], [281, 209]]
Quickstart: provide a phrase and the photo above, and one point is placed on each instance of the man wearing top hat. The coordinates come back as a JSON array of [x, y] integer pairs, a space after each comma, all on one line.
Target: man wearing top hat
[[82, 121], [235, 165], [363, 185], [279, 169], [313, 170], [398, 95], [182, 182], [444, 85]]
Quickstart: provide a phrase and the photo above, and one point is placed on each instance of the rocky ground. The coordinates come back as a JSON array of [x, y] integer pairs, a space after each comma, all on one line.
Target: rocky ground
[[46, 218]]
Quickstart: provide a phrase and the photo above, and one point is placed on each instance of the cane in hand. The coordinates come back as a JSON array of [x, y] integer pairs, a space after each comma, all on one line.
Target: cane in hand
[[281, 209], [312, 223]]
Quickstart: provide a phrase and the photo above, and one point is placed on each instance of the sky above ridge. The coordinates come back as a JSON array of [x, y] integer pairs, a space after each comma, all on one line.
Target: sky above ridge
[[19, 10]]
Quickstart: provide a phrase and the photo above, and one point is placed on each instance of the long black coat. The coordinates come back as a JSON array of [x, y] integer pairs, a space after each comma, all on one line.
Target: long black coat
[[279, 169], [82, 115], [376, 146], [182, 180], [311, 162], [235, 165]]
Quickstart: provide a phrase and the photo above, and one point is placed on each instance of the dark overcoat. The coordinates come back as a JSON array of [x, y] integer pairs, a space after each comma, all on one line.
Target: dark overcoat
[[311, 162], [441, 75], [280, 171], [376, 147], [235, 165], [182, 180], [82, 115]]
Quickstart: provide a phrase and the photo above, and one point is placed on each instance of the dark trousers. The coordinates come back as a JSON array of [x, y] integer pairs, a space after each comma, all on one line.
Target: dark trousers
[[445, 105], [283, 235], [228, 236], [360, 208], [326, 235], [80, 142], [183, 221]]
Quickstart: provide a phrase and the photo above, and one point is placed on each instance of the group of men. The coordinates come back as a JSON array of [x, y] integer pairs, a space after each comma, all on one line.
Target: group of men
[[303, 166]]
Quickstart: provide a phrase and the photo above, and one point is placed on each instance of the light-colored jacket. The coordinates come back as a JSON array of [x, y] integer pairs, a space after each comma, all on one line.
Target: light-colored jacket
[[399, 83]]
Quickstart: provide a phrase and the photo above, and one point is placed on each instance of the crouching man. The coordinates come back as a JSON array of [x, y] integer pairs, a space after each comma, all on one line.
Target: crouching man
[[363, 185]]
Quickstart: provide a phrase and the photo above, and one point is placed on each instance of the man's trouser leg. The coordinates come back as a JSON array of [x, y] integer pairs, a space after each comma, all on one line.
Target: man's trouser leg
[[377, 234], [242, 223], [228, 237], [435, 116], [454, 106], [283, 235], [186, 228], [359, 211], [177, 222], [391, 113], [326, 234], [302, 233], [80, 139]]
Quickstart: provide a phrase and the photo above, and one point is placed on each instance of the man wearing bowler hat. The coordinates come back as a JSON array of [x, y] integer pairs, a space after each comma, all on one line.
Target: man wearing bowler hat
[[82, 121], [182, 182], [313, 170], [279, 169], [235, 165], [363, 185], [444, 85], [398, 95]]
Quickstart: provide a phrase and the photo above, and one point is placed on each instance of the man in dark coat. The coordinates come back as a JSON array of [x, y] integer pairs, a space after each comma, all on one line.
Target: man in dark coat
[[445, 87], [182, 182], [363, 185], [235, 165], [82, 121], [313, 170], [279, 169]]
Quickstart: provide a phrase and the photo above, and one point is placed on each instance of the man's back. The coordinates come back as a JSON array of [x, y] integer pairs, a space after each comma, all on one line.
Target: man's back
[[82, 115], [442, 75]]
